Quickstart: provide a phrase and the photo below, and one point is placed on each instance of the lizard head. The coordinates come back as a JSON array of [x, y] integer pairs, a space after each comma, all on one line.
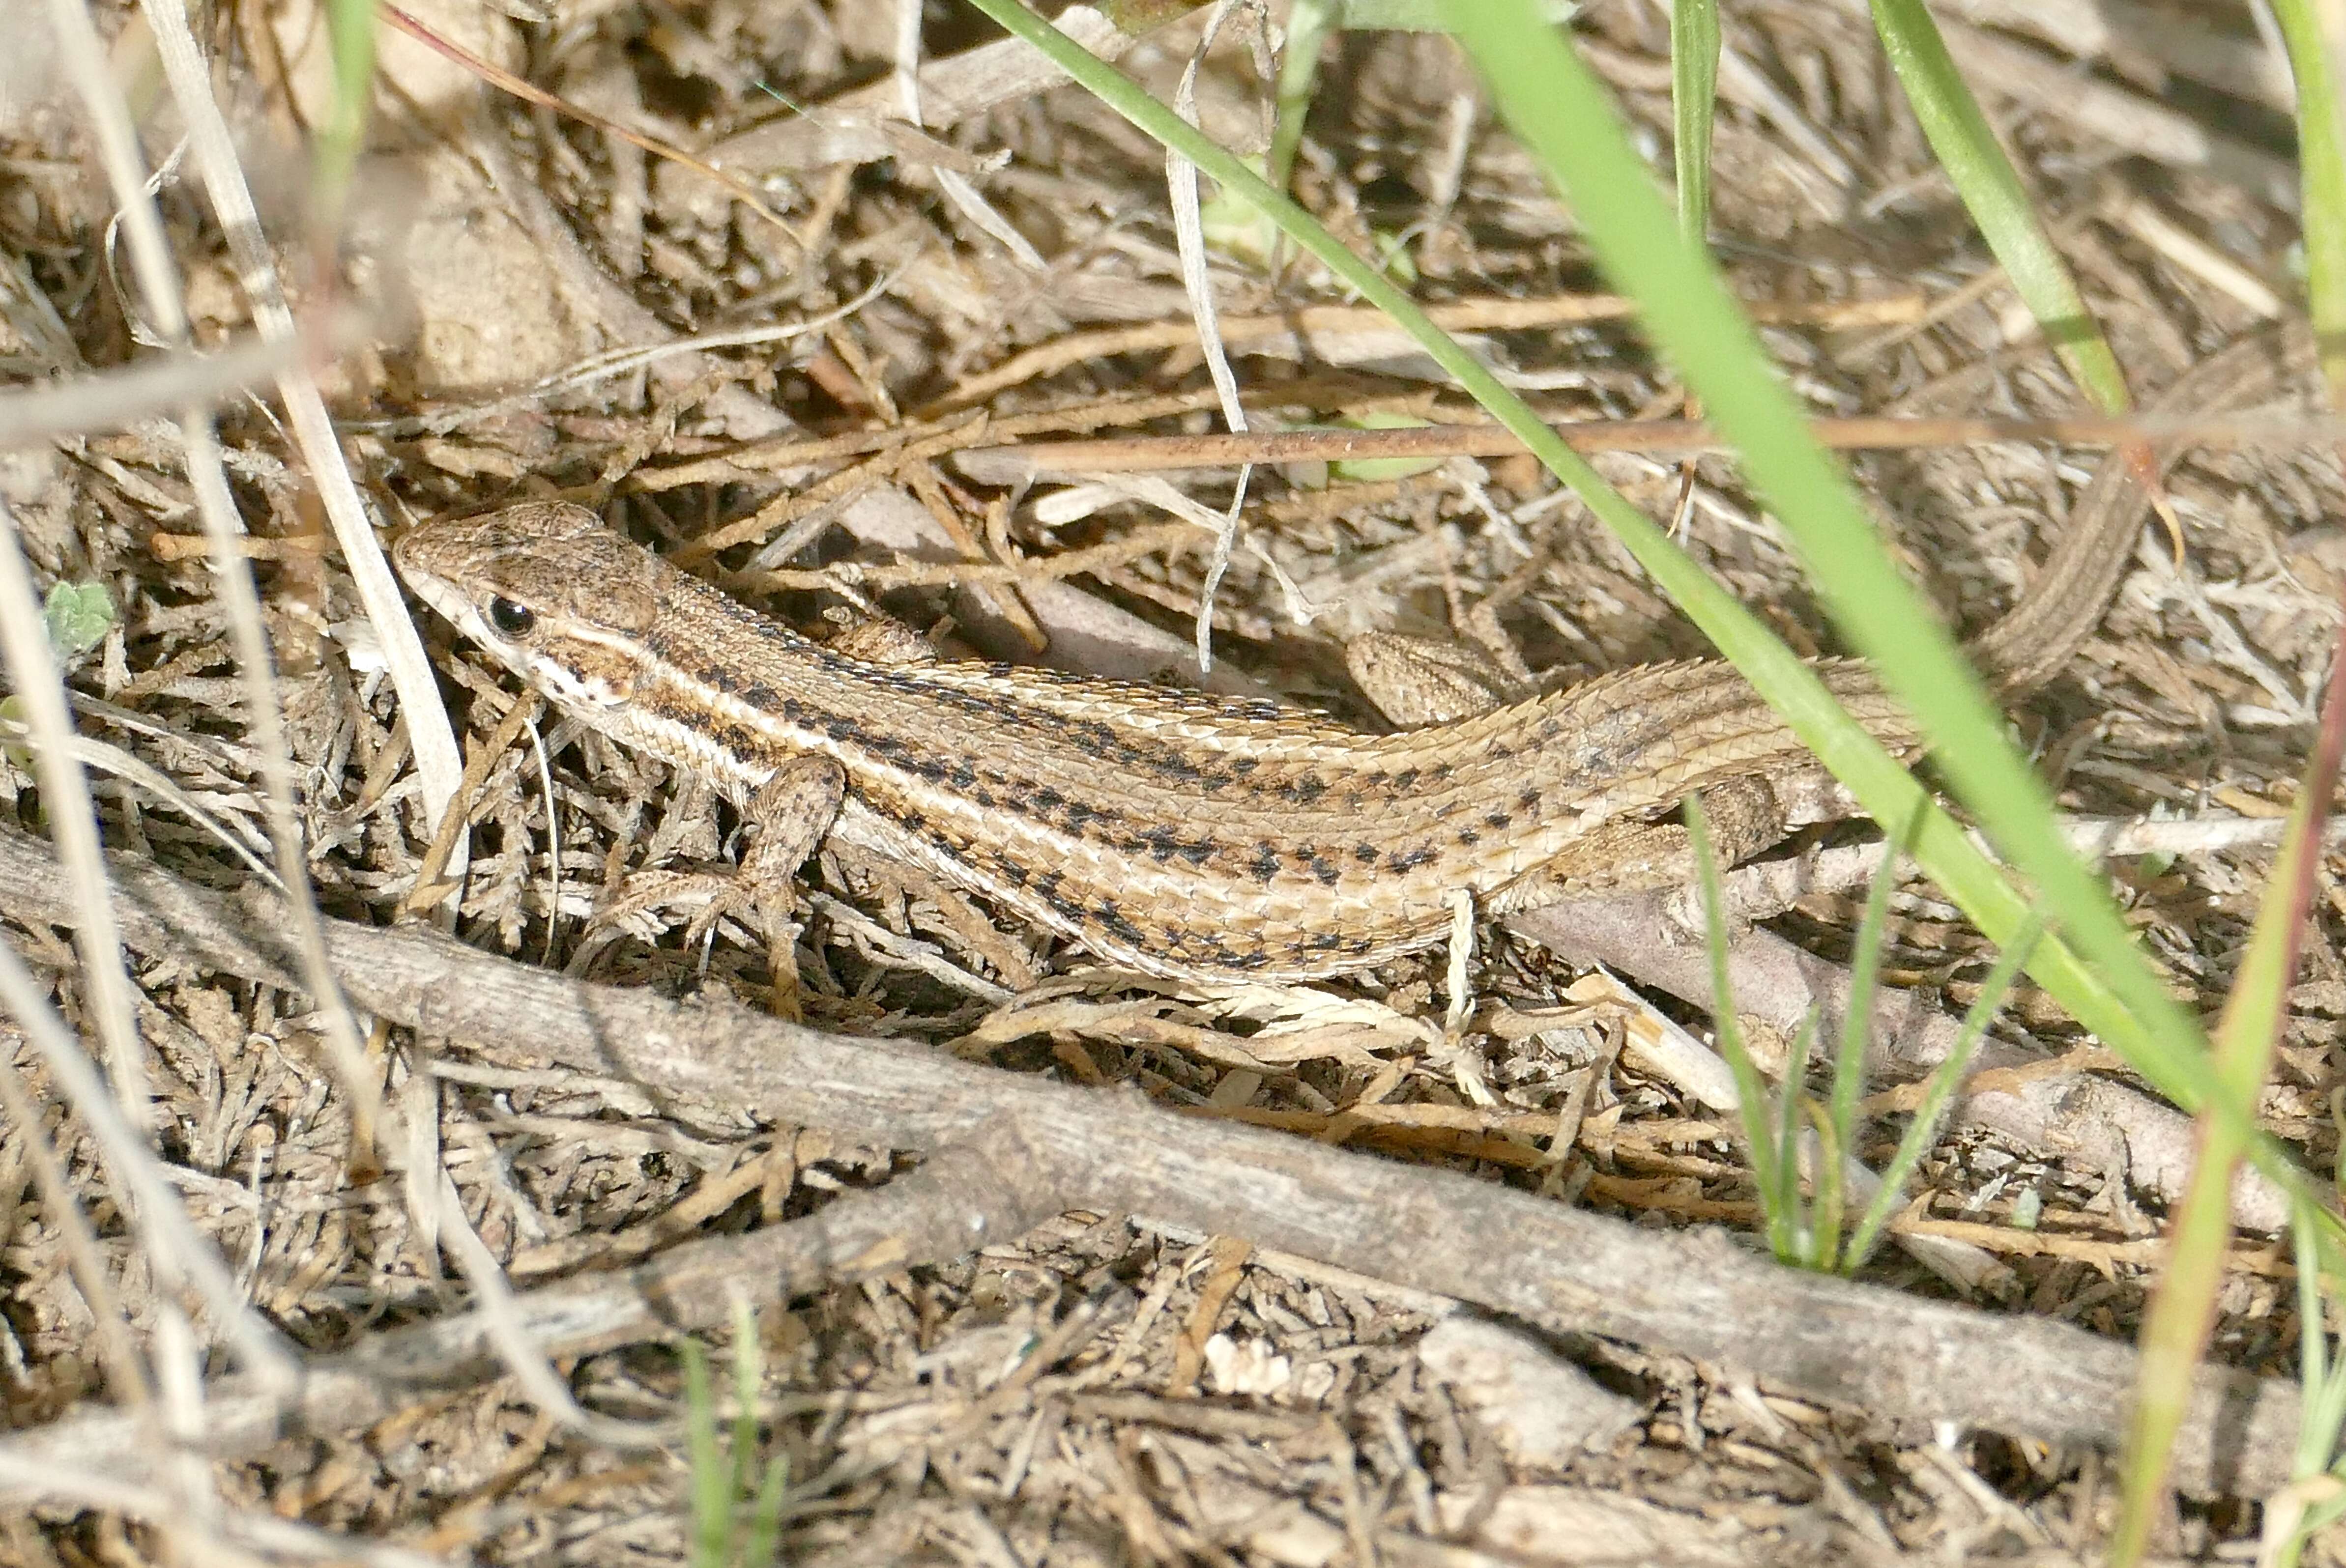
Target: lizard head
[[557, 597]]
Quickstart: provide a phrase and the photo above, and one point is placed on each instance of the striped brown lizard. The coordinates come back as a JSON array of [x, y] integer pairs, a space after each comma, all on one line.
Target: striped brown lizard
[[1188, 835]]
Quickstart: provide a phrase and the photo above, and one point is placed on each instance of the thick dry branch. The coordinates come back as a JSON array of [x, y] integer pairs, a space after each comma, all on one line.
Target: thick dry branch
[[967, 1196], [1694, 1294]]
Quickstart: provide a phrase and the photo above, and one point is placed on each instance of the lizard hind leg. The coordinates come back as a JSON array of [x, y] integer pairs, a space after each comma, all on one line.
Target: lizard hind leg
[[1634, 854]]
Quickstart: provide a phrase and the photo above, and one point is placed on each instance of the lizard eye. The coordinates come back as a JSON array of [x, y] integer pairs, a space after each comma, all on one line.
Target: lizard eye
[[511, 620]]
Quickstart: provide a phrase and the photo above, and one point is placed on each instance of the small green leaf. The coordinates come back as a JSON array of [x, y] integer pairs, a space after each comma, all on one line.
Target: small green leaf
[[1368, 470], [1235, 225], [13, 725], [78, 616], [1238, 229]]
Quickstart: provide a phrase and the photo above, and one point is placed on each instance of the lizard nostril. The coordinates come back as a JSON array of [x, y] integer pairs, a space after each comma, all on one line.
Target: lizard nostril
[[511, 620]]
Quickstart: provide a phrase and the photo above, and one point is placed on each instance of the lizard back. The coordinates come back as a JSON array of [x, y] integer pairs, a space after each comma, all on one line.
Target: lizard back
[[1172, 832]]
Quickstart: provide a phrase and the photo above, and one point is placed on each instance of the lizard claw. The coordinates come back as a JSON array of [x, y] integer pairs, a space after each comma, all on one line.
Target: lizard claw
[[768, 911], [645, 891]]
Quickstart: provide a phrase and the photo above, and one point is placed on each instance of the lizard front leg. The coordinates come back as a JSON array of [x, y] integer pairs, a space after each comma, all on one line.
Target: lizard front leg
[[786, 818]]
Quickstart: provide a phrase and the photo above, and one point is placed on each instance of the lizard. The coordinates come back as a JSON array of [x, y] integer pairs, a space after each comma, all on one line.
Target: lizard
[[1184, 835]]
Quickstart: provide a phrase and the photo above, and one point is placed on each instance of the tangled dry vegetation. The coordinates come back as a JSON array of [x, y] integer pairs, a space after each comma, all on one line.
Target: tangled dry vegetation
[[1291, 1277]]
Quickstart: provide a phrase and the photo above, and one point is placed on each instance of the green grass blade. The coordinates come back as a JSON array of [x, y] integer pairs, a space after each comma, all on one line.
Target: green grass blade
[[2175, 1331], [350, 35], [760, 1547], [711, 1478], [1308, 26], [748, 1373], [1998, 202], [2317, 58], [2323, 1412], [1864, 983], [1694, 98]]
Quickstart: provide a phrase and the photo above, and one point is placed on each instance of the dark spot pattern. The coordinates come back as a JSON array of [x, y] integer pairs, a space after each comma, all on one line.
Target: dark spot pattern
[[1111, 919]]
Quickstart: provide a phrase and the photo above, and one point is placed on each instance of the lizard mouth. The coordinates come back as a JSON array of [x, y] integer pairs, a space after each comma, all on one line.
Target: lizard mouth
[[450, 602]]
